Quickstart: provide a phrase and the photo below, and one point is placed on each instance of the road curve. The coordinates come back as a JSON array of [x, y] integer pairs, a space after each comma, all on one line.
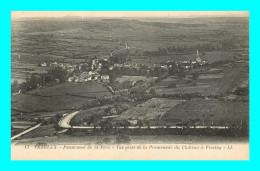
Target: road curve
[[65, 120]]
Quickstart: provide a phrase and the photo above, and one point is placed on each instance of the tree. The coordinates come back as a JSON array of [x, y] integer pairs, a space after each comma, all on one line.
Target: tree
[[195, 76], [32, 82], [112, 77], [181, 73], [14, 86], [172, 85], [104, 68], [56, 73], [143, 70], [152, 92]]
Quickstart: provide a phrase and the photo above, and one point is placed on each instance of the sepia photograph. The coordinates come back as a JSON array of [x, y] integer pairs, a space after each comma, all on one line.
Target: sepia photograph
[[114, 85]]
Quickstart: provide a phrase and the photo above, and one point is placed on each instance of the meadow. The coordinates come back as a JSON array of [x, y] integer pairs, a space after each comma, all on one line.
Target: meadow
[[199, 112], [66, 96], [88, 88]]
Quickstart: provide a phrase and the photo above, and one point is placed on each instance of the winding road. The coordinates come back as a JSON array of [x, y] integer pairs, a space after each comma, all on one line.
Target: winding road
[[65, 120]]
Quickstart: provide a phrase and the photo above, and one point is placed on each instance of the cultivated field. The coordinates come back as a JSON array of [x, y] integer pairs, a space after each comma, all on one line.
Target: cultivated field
[[160, 103], [217, 81], [142, 113], [150, 110], [182, 86], [127, 78], [182, 90]]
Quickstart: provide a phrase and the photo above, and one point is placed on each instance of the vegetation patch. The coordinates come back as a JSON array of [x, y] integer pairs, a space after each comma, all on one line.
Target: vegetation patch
[[208, 112]]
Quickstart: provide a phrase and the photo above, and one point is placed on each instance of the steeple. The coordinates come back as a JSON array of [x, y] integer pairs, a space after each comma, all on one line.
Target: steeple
[[198, 59]]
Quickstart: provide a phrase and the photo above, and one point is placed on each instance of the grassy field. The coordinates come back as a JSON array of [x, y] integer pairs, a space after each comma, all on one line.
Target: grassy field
[[182, 85], [43, 131], [31, 103], [64, 96], [221, 113], [89, 88], [22, 125], [130, 79], [171, 80], [210, 76]]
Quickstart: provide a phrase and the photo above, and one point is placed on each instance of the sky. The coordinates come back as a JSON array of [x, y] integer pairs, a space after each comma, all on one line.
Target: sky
[[121, 14]]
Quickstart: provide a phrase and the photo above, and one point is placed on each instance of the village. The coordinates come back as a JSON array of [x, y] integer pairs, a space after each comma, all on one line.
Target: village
[[92, 70]]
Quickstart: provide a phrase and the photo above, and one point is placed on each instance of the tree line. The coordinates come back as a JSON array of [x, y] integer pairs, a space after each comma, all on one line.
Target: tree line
[[33, 81], [225, 44]]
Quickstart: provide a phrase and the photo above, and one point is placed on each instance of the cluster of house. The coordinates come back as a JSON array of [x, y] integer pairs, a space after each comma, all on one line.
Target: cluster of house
[[184, 64], [83, 75], [89, 76], [69, 67], [96, 65], [126, 65], [93, 75]]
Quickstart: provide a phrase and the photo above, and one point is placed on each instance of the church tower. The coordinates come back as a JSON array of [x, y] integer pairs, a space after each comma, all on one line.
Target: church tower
[[198, 59]]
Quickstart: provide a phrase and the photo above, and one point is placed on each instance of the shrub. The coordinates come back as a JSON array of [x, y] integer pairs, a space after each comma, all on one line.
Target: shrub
[[172, 85]]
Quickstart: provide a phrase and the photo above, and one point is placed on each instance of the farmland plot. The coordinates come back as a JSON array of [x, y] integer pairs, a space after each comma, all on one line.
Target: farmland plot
[[203, 83], [210, 76], [182, 89], [160, 103], [134, 78], [142, 113]]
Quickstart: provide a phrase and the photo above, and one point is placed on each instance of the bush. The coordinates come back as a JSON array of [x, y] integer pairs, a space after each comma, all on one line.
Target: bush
[[152, 92], [172, 85], [242, 91]]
